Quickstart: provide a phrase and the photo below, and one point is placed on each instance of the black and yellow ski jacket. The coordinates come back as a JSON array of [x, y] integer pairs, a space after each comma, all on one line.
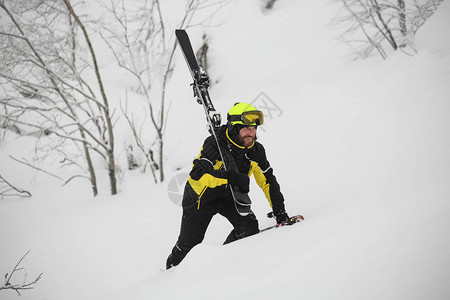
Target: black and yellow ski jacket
[[207, 183]]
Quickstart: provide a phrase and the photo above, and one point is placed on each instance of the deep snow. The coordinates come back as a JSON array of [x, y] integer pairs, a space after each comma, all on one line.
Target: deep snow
[[361, 149]]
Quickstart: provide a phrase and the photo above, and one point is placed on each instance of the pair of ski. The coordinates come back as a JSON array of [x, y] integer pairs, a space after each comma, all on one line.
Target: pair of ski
[[242, 201]]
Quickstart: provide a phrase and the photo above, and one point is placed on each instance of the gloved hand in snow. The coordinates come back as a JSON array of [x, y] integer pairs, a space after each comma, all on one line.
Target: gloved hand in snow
[[282, 217]]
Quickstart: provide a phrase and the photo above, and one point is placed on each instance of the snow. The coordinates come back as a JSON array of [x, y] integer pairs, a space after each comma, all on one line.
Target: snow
[[361, 150]]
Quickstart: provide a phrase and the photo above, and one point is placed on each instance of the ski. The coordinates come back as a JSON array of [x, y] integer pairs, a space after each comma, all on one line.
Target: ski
[[200, 85], [292, 220], [186, 47]]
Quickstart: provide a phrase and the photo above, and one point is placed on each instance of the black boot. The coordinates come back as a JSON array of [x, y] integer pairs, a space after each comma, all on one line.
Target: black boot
[[169, 263], [175, 257]]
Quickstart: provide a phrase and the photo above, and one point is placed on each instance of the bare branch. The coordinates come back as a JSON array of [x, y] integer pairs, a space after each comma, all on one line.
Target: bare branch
[[19, 287], [35, 167], [9, 190], [138, 139]]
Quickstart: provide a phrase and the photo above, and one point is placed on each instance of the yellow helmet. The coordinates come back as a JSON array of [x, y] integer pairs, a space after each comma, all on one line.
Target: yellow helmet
[[245, 114]]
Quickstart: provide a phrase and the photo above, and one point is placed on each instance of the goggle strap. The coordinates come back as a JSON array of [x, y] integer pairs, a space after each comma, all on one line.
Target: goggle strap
[[233, 118]]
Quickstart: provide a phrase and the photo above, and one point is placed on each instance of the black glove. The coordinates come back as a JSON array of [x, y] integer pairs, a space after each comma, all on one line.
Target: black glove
[[281, 217], [239, 180]]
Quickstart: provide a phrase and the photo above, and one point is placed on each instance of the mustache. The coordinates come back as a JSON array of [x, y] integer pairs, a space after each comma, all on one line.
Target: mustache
[[248, 136]]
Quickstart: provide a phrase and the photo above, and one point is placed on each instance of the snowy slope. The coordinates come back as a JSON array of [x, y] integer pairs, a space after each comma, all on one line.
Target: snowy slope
[[360, 149]]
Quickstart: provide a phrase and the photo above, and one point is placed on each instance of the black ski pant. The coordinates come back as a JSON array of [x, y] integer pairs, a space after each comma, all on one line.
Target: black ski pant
[[195, 222]]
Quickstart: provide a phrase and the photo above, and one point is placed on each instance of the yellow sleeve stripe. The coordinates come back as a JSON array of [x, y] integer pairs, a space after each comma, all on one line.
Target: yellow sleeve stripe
[[206, 181], [260, 180]]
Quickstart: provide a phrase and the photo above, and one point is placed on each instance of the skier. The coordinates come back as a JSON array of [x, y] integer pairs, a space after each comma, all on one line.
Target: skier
[[206, 192]]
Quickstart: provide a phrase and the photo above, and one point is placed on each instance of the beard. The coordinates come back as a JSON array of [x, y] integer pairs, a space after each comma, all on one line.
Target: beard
[[247, 140]]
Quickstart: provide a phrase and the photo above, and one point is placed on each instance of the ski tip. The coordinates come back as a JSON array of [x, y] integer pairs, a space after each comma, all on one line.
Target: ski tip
[[179, 32], [298, 218]]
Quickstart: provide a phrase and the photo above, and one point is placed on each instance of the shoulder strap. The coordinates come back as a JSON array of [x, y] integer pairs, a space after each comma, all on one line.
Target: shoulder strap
[[227, 156], [242, 200]]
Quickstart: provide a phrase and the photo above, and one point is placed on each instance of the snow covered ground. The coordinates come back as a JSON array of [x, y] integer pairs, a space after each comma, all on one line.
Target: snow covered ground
[[361, 149]]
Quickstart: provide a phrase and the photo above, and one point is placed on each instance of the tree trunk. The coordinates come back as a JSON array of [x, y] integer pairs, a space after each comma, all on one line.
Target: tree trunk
[[402, 20], [92, 176], [161, 159], [390, 37]]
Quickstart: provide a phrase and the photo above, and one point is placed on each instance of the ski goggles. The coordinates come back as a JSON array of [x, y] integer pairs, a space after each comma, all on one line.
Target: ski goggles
[[252, 117]]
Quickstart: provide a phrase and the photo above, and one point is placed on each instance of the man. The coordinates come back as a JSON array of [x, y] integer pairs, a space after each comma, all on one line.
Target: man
[[207, 192]]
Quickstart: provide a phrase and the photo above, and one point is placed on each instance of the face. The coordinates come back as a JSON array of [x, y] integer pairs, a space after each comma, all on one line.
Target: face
[[247, 136]]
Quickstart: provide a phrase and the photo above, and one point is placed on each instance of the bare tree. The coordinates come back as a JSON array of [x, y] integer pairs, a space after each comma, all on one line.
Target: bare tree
[[105, 107], [137, 134], [20, 286], [141, 45], [420, 11], [382, 23], [45, 92]]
